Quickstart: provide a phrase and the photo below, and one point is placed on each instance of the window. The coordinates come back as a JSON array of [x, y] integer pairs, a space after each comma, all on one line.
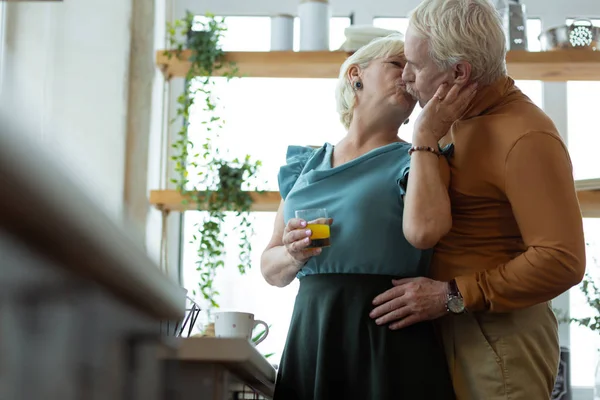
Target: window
[[533, 89], [584, 142], [583, 340], [264, 116], [582, 125]]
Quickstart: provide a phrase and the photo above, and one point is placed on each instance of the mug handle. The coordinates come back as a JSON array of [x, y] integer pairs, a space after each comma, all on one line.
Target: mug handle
[[258, 322]]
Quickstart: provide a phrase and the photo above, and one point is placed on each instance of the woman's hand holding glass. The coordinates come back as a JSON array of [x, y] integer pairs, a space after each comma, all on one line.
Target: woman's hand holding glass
[[296, 239]]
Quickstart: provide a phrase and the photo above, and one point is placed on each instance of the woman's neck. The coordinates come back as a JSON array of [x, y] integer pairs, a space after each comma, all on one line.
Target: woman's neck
[[362, 134]]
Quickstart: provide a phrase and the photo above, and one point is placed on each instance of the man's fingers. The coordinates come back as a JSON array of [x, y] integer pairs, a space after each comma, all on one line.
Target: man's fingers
[[387, 307], [388, 295], [394, 315], [403, 281], [407, 321]]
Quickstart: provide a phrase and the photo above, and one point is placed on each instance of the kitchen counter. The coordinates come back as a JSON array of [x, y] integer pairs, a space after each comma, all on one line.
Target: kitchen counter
[[240, 358]]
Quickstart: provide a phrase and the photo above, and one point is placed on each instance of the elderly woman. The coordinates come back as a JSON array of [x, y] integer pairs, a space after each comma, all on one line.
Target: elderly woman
[[333, 348]]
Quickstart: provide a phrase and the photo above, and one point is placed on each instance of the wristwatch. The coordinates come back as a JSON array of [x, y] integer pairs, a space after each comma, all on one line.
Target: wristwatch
[[454, 303]]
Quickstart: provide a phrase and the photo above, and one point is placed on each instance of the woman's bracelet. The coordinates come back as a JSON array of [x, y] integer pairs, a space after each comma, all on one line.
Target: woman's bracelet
[[423, 148]]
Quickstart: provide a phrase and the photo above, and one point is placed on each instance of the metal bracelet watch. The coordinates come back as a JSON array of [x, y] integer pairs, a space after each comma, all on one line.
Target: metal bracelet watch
[[455, 303]]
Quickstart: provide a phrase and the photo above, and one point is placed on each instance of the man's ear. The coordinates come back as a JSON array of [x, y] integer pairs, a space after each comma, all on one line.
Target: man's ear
[[353, 73], [462, 72]]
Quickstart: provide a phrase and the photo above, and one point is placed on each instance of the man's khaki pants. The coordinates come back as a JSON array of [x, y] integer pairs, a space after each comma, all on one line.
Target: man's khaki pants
[[509, 356]]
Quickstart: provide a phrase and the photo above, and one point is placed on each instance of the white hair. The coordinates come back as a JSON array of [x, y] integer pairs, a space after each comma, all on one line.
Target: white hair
[[377, 48], [463, 30]]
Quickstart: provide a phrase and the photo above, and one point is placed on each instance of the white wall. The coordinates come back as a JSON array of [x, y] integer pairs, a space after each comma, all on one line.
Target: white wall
[[64, 72]]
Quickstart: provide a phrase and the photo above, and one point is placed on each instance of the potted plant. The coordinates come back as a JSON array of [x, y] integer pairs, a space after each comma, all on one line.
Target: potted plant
[[219, 181]]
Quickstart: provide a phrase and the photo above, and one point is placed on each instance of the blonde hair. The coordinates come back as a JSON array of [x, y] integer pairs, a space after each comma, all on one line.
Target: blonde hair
[[463, 30], [378, 48]]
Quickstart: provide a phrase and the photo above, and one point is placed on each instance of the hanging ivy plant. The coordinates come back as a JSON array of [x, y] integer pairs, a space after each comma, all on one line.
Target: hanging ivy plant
[[218, 183]]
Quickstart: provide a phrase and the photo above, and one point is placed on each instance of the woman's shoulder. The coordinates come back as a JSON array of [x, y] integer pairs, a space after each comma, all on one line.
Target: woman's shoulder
[[296, 153], [298, 158]]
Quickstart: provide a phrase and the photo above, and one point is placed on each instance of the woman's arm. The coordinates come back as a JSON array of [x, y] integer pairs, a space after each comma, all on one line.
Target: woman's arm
[[285, 254], [427, 215]]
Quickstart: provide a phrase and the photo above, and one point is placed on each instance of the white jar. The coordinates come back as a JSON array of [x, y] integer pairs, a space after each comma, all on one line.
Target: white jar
[[314, 24], [282, 32]]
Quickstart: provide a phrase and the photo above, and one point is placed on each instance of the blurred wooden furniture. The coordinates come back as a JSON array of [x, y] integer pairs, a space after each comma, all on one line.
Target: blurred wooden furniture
[[80, 302]]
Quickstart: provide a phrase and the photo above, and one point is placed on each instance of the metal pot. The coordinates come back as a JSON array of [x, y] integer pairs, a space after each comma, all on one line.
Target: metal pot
[[581, 34]]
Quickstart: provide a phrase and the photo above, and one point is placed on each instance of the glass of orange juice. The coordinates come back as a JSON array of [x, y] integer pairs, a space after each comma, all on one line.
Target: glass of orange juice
[[318, 222]]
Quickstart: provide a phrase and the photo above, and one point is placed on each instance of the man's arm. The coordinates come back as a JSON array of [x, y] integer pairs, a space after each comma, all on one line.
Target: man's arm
[[539, 186]]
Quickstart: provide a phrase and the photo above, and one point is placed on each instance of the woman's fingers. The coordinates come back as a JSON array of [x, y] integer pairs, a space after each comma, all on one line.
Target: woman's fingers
[[296, 238], [308, 253], [441, 92], [295, 223], [453, 93], [463, 99], [299, 245], [296, 235]]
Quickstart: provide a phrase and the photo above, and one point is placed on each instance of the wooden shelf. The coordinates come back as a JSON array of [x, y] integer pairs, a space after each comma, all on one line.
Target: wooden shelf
[[172, 200], [589, 201], [565, 65], [276, 64]]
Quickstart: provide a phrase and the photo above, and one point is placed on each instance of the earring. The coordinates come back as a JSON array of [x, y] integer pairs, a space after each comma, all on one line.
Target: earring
[[358, 85], [406, 122]]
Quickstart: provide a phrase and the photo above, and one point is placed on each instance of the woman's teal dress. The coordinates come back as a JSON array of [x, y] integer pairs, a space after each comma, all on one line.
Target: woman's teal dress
[[334, 349]]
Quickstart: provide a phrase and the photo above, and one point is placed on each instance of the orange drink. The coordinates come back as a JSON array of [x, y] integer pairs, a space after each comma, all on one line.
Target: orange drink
[[318, 223], [320, 236]]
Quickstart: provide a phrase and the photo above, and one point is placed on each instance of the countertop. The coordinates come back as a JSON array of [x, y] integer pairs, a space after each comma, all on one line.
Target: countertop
[[238, 355]]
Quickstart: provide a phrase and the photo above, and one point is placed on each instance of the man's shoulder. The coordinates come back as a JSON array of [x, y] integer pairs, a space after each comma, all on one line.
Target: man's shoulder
[[508, 122]]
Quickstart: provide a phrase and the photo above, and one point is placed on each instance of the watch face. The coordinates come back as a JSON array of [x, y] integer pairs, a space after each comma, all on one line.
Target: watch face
[[456, 305]]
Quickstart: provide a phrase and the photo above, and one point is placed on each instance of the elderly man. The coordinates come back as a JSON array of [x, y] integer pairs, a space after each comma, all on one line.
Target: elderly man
[[516, 236]]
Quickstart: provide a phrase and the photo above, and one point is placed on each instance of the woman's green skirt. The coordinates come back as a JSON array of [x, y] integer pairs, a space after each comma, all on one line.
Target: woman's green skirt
[[334, 350]]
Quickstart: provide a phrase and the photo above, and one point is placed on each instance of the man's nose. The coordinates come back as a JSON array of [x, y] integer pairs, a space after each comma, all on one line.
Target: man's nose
[[407, 75]]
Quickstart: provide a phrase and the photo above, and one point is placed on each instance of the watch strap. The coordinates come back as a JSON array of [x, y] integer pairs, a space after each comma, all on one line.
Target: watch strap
[[453, 288]]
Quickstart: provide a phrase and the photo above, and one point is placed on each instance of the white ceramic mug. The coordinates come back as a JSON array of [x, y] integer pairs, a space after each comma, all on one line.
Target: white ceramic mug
[[231, 324]]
